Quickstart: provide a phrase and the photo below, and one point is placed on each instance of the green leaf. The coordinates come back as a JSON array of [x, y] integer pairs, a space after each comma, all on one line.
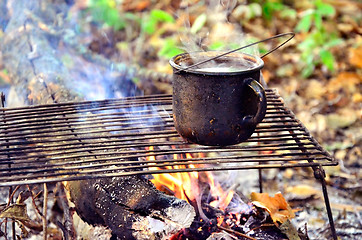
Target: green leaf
[[307, 71], [106, 12], [288, 13], [318, 21], [149, 25], [332, 43], [308, 66], [233, 45], [268, 10], [263, 51], [169, 48], [304, 24], [319, 37], [198, 23], [149, 22], [307, 44], [278, 6], [113, 19], [325, 9], [161, 16], [217, 45], [327, 59], [309, 60]]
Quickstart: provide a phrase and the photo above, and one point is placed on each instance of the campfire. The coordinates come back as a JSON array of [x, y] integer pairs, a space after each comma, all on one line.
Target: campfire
[[219, 213], [123, 164]]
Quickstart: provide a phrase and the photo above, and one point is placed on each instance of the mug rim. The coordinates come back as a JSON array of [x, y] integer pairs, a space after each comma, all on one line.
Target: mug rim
[[257, 60]]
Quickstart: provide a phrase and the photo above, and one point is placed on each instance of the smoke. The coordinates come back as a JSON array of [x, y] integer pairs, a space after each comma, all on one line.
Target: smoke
[[217, 32]]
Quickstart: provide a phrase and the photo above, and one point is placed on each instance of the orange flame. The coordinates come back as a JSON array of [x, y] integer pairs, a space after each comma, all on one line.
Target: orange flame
[[185, 185]]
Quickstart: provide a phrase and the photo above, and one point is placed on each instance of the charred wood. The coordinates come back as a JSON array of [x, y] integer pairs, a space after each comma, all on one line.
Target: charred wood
[[132, 207]]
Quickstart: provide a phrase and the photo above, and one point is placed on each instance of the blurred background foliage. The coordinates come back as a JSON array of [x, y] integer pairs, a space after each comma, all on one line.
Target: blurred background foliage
[[322, 26], [318, 73]]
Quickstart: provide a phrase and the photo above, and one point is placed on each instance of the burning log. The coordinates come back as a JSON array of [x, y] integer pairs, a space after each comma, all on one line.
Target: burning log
[[130, 206]]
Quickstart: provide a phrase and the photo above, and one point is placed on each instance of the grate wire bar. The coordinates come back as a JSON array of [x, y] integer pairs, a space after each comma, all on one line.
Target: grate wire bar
[[136, 135]]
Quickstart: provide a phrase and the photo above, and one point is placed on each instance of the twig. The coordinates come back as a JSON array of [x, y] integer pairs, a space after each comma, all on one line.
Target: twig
[[38, 194], [68, 227], [6, 227], [11, 200], [33, 200], [235, 232], [62, 228], [12, 195], [45, 204]]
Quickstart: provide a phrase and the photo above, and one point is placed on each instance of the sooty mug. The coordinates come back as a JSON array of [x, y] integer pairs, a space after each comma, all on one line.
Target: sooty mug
[[218, 105]]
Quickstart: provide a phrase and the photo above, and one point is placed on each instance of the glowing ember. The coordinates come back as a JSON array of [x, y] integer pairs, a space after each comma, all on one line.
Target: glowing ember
[[185, 185], [180, 184], [217, 210]]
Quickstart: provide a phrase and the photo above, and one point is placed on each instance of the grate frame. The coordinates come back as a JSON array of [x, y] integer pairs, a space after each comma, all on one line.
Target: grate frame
[[108, 138]]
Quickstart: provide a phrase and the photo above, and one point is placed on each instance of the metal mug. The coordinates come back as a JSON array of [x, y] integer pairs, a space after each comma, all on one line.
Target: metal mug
[[221, 107]]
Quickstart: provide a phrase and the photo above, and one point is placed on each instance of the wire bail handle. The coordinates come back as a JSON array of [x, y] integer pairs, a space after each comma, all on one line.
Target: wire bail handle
[[246, 46]]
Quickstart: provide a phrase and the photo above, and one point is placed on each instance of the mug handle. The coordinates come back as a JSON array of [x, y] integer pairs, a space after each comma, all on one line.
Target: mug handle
[[261, 104]]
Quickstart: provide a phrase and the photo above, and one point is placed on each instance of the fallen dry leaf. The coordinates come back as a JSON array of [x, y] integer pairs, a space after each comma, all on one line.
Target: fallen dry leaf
[[347, 80], [136, 5], [315, 89], [357, 97], [288, 229], [18, 212], [15, 211], [277, 206], [355, 56], [303, 191], [342, 118], [345, 27], [266, 75], [346, 207]]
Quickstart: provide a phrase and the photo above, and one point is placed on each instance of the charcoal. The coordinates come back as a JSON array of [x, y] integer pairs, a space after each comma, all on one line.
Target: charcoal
[[131, 207]]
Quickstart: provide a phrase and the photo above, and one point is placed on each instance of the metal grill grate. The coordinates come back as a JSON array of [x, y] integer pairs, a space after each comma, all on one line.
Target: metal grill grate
[[82, 140]]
